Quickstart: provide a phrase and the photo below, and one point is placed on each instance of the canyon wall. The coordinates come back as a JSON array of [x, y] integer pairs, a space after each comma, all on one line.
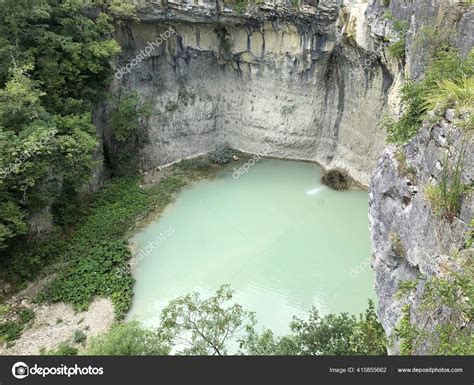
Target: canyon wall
[[306, 82], [411, 241]]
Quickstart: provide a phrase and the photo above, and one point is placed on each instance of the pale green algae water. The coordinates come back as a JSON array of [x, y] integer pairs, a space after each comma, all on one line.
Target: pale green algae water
[[283, 241]]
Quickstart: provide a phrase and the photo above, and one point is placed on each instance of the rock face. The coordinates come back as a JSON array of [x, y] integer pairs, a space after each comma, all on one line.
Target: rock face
[[410, 239], [303, 83]]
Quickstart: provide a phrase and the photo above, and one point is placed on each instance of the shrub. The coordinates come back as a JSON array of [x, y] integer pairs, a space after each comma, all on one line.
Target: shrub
[[11, 330], [195, 164], [397, 49], [222, 155], [446, 196], [79, 337], [63, 349], [26, 315], [447, 298], [128, 339], [333, 334]]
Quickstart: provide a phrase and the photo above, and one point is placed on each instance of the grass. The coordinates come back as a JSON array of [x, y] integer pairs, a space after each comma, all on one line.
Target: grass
[[446, 196], [447, 82], [403, 167], [397, 49], [457, 94]]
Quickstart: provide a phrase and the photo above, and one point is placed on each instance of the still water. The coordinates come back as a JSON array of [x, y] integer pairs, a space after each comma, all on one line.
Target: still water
[[283, 241]]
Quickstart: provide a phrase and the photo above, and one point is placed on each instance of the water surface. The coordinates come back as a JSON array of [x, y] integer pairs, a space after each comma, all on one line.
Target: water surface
[[282, 240]]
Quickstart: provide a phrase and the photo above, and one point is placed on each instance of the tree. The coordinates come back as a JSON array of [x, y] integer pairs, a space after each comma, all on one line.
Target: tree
[[54, 69], [128, 339], [332, 334], [206, 326]]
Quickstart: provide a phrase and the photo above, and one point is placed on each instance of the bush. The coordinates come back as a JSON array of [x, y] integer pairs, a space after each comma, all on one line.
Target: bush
[[79, 337], [11, 330], [447, 298], [63, 349], [333, 334], [446, 196], [128, 339], [397, 49], [222, 155]]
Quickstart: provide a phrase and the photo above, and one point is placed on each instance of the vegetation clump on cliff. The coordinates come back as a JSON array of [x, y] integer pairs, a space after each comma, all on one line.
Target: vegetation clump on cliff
[[448, 83]]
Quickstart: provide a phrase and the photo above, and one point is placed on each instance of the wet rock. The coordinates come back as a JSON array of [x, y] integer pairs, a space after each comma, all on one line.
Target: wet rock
[[337, 179]]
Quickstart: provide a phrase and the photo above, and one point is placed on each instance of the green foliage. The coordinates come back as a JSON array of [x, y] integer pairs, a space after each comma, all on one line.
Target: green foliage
[[447, 300], [446, 196], [123, 9], [128, 339], [222, 155], [26, 315], [97, 251], [457, 94], [403, 167], [399, 29], [195, 164], [210, 326], [94, 274], [11, 330], [205, 326], [63, 349], [125, 119], [448, 68], [398, 49], [295, 3], [453, 292], [409, 335], [79, 337], [431, 40], [54, 68], [129, 131], [329, 335]]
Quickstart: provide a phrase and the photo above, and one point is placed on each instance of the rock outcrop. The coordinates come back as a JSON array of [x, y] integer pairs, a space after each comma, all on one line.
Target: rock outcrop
[[411, 240]]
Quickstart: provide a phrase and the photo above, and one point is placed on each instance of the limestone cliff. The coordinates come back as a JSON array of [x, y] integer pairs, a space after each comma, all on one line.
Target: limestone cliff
[[411, 241], [309, 81]]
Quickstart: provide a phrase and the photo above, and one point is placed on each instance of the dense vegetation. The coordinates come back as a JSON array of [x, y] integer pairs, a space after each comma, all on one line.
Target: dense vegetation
[[216, 326], [53, 72]]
